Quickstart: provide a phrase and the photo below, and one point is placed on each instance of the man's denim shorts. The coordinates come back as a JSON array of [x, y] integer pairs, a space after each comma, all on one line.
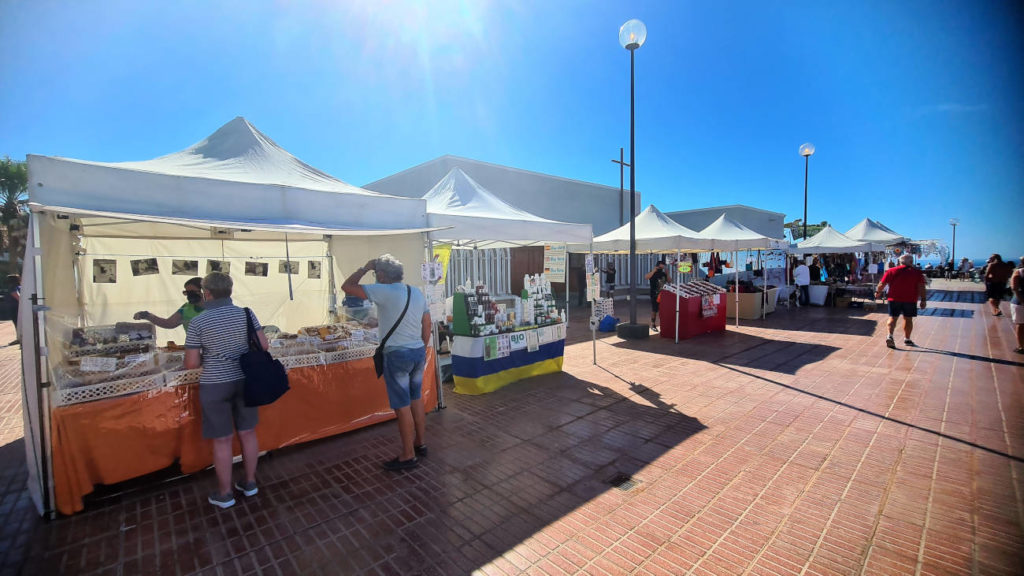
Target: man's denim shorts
[[403, 374]]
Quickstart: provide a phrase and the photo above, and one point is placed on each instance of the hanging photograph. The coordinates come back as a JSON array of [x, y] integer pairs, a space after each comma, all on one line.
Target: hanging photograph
[[104, 271], [144, 267], [288, 266], [218, 266], [256, 268], [185, 267], [314, 269]]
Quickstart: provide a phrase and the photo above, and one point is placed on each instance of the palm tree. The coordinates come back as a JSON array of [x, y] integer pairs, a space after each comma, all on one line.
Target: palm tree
[[13, 217]]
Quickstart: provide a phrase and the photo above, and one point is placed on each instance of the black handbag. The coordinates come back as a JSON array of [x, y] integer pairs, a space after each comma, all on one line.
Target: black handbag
[[378, 354], [266, 379]]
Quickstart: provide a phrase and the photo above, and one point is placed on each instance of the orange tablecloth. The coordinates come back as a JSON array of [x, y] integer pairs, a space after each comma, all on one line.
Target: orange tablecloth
[[113, 440]]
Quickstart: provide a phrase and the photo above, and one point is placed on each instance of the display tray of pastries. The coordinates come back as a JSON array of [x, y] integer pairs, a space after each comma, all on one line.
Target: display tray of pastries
[[327, 332]]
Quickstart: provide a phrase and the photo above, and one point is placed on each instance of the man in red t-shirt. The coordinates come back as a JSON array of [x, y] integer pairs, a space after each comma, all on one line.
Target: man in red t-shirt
[[906, 286]]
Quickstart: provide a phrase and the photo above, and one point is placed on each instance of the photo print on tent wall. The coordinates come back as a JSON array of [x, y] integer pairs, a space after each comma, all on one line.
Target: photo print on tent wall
[[288, 266], [314, 270], [185, 267], [145, 267], [104, 271], [218, 266], [256, 268]]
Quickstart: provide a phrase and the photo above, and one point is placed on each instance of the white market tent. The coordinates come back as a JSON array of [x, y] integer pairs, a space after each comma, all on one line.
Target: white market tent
[[655, 233], [831, 241], [728, 235], [234, 200], [469, 212], [868, 230]]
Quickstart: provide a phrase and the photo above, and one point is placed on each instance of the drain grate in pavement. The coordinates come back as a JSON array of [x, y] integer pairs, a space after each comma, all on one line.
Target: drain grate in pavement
[[623, 482]]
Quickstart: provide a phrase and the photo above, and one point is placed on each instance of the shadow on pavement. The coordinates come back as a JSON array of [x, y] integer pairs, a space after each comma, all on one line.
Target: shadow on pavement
[[736, 349], [965, 356], [501, 468]]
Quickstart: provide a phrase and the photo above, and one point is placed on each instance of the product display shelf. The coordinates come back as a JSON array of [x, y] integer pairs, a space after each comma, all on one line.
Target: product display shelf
[[66, 396], [133, 347]]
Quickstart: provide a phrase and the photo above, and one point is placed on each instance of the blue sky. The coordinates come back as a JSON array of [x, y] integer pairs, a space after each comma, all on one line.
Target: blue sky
[[915, 107]]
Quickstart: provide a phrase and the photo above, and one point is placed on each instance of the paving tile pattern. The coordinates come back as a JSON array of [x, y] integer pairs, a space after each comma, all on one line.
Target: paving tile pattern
[[796, 445]]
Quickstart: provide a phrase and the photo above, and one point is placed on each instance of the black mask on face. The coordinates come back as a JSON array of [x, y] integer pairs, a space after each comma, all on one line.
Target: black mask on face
[[194, 297]]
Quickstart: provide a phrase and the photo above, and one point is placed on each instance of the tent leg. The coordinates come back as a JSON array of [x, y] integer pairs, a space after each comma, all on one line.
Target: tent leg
[[288, 259], [736, 288], [435, 338], [678, 282], [593, 331]]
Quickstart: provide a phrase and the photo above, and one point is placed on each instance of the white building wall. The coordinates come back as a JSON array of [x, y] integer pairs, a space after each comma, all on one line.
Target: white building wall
[[551, 197], [761, 221]]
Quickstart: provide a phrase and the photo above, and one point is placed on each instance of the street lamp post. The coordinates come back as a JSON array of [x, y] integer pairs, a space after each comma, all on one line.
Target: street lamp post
[[953, 222], [632, 35], [806, 150]]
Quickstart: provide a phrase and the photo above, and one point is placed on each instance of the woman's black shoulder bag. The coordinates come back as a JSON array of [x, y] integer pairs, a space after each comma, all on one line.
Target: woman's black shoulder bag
[[266, 379], [378, 354]]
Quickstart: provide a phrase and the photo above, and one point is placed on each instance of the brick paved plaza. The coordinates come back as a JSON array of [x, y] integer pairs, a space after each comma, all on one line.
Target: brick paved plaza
[[796, 445]]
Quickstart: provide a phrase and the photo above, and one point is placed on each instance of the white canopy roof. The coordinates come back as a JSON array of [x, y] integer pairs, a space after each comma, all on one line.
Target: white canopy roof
[[727, 235], [471, 213], [655, 232], [236, 175], [831, 241], [875, 232]]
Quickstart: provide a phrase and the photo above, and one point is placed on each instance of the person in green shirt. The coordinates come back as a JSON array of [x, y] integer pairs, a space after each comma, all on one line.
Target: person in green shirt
[[185, 314]]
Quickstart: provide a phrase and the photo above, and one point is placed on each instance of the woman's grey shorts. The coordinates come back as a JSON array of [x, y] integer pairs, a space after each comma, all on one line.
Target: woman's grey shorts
[[224, 409]]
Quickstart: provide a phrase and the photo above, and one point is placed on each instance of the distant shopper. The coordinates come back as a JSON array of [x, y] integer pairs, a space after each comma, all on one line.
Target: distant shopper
[[906, 285], [192, 307], [609, 279], [802, 279], [11, 302], [815, 270], [657, 278], [1017, 305], [215, 341], [996, 274], [405, 353]]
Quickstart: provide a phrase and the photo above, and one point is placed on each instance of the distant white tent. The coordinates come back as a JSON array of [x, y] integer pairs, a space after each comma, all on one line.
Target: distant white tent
[[468, 212], [875, 232], [831, 241], [728, 235], [655, 233]]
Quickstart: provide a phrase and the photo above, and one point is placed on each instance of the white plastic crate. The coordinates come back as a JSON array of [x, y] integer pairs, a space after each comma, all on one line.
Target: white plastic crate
[[63, 397], [349, 354]]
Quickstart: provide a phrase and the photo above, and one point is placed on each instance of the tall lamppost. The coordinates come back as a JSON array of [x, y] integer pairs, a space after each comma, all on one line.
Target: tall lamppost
[[806, 150], [953, 222], [632, 35]]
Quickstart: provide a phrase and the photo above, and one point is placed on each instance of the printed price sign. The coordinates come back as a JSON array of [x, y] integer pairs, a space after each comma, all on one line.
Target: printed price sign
[[517, 340], [685, 267], [357, 335], [554, 262], [532, 341], [590, 264], [98, 364]]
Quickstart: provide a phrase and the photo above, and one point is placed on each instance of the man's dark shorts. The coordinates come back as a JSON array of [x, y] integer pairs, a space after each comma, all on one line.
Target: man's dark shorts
[[907, 309], [654, 303], [994, 291], [224, 409]]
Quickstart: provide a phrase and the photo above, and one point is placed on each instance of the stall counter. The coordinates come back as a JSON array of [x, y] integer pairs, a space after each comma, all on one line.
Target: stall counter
[[486, 363], [116, 439]]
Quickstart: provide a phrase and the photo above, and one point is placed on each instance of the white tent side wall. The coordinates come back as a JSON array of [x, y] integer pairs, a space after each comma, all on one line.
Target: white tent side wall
[[34, 429]]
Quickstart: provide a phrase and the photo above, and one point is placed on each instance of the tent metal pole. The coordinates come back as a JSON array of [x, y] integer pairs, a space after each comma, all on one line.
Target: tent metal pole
[[288, 259], [593, 331], [736, 287], [434, 335], [678, 283]]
